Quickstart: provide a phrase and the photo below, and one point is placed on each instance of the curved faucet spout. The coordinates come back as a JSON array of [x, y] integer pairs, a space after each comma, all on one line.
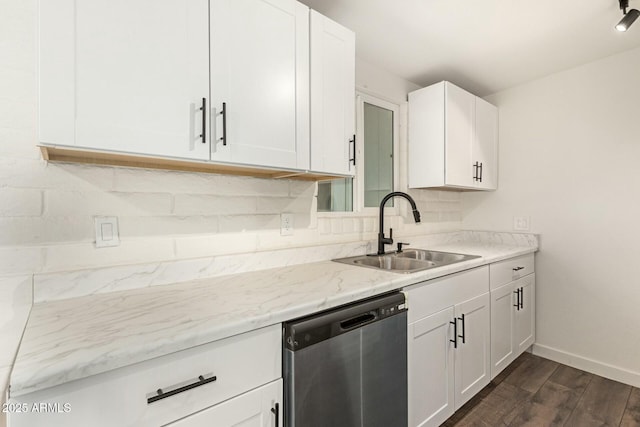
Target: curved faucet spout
[[382, 240]]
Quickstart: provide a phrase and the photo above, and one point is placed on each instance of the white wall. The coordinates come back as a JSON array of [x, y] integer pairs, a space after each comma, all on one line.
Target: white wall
[[381, 83], [570, 159], [46, 210]]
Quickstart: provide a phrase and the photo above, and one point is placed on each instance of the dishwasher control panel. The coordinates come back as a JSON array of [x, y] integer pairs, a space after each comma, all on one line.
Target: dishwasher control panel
[[306, 331]]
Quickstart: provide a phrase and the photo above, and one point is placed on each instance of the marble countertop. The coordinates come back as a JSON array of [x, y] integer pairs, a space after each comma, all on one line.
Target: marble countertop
[[74, 338]]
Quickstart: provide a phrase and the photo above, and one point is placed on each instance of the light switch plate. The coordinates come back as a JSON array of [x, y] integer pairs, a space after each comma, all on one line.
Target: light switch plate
[[521, 223], [286, 224], [106, 231]]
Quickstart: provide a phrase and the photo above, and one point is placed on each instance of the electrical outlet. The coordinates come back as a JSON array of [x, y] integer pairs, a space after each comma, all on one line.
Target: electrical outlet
[[106, 231], [286, 224], [521, 223]]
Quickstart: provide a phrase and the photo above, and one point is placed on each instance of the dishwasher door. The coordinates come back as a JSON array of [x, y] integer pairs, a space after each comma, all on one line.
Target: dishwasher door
[[348, 367]]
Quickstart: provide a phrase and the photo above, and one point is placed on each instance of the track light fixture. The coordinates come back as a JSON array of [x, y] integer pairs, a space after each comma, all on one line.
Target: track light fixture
[[628, 18]]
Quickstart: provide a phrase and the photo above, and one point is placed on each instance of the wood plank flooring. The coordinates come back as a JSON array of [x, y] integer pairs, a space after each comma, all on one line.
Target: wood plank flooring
[[538, 392]]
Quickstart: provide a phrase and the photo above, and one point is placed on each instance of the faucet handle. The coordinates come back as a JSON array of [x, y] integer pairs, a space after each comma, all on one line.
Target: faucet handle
[[391, 234], [400, 245]]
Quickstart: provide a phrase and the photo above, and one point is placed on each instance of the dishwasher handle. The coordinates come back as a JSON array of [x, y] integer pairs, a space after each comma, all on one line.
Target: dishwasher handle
[[358, 321]]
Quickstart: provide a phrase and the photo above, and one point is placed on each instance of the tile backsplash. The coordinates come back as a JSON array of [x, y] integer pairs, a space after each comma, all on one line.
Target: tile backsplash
[[70, 284]]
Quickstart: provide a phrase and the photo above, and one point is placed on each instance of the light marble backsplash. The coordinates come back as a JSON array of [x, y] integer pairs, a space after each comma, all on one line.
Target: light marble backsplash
[[71, 284]]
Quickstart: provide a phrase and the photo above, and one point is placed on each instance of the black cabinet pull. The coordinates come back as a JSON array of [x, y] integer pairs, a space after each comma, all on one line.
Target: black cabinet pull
[[455, 333], [353, 159], [203, 135], [223, 113], [480, 168], [463, 329], [521, 298], [475, 171], [276, 412], [517, 268], [163, 394], [517, 304]]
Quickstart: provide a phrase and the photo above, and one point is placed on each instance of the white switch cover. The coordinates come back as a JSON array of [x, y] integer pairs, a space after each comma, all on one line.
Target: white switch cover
[[106, 231], [521, 223], [286, 224]]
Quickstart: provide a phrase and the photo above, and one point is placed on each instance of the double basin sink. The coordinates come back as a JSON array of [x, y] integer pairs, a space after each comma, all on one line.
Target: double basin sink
[[407, 261]]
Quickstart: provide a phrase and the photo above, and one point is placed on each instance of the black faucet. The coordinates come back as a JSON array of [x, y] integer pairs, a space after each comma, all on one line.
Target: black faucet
[[382, 240]]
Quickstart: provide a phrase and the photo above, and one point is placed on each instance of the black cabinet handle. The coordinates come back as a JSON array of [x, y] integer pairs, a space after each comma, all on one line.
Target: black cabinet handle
[[203, 135], [517, 304], [475, 171], [480, 167], [455, 333], [276, 412], [463, 329], [521, 298], [224, 124], [163, 394], [517, 268], [353, 159]]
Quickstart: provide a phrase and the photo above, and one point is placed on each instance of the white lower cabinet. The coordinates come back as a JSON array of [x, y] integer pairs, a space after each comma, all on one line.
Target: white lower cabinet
[[512, 322], [235, 381], [258, 408], [525, 329], [430, 362], [472, 368], [448, 344]]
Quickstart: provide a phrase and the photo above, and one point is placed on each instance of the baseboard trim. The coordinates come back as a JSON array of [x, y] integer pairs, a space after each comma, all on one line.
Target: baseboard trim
[[593, 366]]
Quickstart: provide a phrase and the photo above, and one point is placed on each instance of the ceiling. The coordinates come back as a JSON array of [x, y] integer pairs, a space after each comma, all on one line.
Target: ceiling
[[482, 45]]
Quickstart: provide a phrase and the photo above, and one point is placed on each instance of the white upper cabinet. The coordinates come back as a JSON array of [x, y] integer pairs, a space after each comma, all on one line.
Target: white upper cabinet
[[332, 96], [260, 82], [125, 75], [228, 82], [484, 149], [453, 139], [459, 116]]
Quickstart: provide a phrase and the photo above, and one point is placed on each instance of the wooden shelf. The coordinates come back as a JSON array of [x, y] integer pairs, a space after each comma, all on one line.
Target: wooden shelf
[[55, 153]]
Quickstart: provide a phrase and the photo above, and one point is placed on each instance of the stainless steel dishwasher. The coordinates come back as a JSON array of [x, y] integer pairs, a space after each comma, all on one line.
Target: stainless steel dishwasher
[[348, 367]]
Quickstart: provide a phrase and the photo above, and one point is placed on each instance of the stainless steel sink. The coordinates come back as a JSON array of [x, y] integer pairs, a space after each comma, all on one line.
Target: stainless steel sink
[[387, 262], [440, 258], [407, 261]]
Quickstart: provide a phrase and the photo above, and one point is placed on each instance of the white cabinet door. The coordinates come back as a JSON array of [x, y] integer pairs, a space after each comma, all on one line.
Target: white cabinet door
[[525, 323], [459, 130], [430, 369], [257, 408], [472, 359], [259, 77], [332, 96], [485, 145], [512, 321], [125, 75], [503, 308], [453, 139]]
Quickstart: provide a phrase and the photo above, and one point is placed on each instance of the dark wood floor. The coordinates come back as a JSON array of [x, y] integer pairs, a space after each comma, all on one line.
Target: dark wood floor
[[538, 392]]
